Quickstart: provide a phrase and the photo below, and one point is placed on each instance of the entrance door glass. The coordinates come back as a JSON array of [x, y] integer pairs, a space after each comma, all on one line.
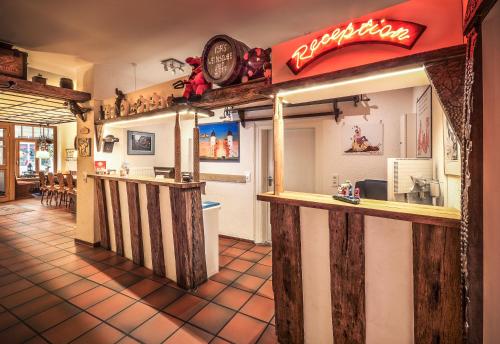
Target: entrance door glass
[[47, 165], [27, 167]]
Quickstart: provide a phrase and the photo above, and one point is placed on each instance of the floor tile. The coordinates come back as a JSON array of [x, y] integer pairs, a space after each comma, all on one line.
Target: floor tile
[[75, 289], [263, 249], [7, 320], [266, 290], [106, 275], [123, 281], [9, 278], [209, 289], [239, 265], [248, 283], [219, 340], [111, 306], [18, 333], [224, 260], [162, 297], [259, 307], [101, 334], [91, 297], [60, 282], [131, 317], [212, 318], [251, 256], [267, 260], [141, 289], [259, 270], [269, 336], [21, 297], [233, 298], [37, 305], [186, 306], [243, 330], [46, 275], [189, 334], [71, 328], [157, 329], [14, 287], [232, 252], [52, 316], [225, 276], [127, 340], [244, 245]]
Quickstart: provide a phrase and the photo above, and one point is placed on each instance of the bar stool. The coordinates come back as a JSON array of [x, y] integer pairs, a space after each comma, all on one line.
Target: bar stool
[[43, 185], [62, 190], [71, 190], [52, 188]]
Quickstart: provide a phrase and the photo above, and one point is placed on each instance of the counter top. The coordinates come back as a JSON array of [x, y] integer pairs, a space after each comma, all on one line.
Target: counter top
[[418, 213], [148, 180]]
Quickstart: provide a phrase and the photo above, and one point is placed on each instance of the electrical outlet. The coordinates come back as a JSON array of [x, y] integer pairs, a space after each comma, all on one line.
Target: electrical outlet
[[335, 180]]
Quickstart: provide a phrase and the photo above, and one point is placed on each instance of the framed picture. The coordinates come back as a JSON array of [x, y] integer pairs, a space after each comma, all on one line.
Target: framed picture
[[424, 124], [140, 143], [220, 141], [363, 138], [85, 147], [451, 150], [71, 154]]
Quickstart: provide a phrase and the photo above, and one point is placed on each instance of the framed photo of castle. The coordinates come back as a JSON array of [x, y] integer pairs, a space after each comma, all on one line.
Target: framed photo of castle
[[220, 141]]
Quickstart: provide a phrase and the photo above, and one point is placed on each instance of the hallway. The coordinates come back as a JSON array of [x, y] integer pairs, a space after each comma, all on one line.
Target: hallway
[[53, 290]]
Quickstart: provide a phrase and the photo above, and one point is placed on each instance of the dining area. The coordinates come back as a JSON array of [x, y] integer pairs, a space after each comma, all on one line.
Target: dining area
[[58, 189]]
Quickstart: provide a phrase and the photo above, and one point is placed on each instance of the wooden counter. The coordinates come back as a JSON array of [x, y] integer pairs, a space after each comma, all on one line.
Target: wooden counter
[[149, 180], [417, 213]]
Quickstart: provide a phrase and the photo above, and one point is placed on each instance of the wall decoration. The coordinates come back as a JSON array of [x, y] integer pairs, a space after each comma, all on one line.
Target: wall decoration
[[400, 33], [84, 147], [140, 143], [363, 138], [100, 167], [13, 62], [256, 64], [424, 124], [220, 141], [71, 154], [195, 85], [451, 150]]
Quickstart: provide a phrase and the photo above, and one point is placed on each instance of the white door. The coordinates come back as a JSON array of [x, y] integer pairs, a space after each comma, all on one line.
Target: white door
[[299, 165]]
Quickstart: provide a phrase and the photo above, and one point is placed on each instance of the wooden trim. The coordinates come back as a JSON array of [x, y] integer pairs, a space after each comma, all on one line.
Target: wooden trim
[[86, 243], [347, 269], [177, 149], [278, 146], [196, 150], [225, 178], [29, 87], [134, 215], [475, 13], [148, 180], [236, 238], [287, 273], [448, 217], [155, 232], [102, 213], [436, 274], [114, 194], [189, 238]]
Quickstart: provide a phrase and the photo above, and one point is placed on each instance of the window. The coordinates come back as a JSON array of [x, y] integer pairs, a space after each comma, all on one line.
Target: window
[[27, 144], [27, 163]]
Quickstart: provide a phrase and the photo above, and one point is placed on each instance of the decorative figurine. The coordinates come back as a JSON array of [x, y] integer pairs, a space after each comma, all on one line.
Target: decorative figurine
[[196, 85], [142, 104], [124, 108], [120, 96], [345, 193], [154, 101], [256, 62]]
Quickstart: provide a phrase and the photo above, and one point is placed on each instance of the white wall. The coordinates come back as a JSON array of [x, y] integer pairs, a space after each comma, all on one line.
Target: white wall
[[491, 132], [66, 134]]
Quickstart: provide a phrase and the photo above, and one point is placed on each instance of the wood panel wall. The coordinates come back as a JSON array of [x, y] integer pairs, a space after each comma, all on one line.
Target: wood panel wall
[[155, 232], [134, 217]]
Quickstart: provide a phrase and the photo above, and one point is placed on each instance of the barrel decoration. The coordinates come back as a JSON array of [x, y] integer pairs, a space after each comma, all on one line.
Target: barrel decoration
[[222, 60]]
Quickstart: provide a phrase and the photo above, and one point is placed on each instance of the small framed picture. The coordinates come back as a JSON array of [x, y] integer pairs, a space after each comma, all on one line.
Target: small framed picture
[[85, 147], [424, 124], [140, 143]]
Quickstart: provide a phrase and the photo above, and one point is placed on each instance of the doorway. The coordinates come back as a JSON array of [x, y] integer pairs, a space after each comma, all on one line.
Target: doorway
[[5, 187], [299, 168]]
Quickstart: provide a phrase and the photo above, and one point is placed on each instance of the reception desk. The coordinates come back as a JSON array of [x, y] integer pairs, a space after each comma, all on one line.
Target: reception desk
[[157, 223], [377, 272]]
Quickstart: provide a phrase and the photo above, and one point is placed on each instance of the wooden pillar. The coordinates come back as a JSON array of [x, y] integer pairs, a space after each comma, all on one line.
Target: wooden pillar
[[102, 212], [347, 269], [177, 149], [154, 220], [134, 216], [278, 134], [189, 238], [114, 194], [287, 273], [436, 286], [196, 150]]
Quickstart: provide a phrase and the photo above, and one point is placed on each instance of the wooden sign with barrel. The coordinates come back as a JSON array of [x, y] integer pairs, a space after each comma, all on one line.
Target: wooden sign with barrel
[[222, 60]]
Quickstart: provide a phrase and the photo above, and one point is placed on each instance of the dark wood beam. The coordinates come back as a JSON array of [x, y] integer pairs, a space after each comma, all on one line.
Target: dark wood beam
[[287, 273], [189, 239], [114, 194], [154, 219], [29, 87], [101, 212], [436, 284], [347, 268], [134, 216]]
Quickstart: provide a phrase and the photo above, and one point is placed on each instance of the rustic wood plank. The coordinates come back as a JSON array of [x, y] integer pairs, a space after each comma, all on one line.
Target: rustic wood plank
[[196, 150], [189, 239], [149, 180], [154, 220], [436, 274], [29, 87], [278, 146], [114, 194], [177, 149], [448, 217], [102, 213], [287, 273], [347, 268], [134, 216], [226, 178]]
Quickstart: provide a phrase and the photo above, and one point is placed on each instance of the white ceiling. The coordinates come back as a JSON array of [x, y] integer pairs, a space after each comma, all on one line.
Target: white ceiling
[[147, 31]]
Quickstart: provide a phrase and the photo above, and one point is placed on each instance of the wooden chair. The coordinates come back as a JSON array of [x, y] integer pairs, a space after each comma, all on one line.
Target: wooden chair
[[71, 190], [62, 190], [43, 185], [52, 188]]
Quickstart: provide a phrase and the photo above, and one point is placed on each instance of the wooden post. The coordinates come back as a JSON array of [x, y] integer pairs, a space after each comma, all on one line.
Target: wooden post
[[102, 213], [155, 232], [196, 150], [114, 194], [134, 215], [177, 152], [278, 133]]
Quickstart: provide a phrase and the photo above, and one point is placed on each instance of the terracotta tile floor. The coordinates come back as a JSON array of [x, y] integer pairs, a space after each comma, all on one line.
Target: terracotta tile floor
[[53, 290]]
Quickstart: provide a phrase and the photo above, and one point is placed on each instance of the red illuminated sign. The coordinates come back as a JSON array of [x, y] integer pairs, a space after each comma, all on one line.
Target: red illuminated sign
[[400, 33]]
